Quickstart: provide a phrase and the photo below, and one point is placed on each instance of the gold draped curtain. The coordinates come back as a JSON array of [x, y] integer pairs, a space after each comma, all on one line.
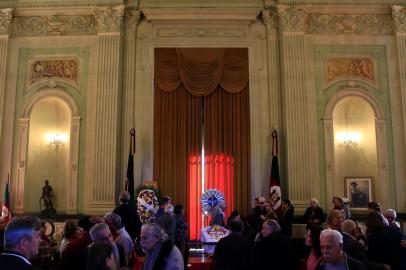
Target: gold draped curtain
[[194, 85]]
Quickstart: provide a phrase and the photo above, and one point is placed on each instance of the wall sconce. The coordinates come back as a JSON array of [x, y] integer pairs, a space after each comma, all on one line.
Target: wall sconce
[[57, 139], [351, 139]]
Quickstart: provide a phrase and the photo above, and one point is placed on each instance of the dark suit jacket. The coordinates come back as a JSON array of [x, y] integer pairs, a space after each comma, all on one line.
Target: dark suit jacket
[[233, 252], [355, 250], [10, 262], [130, 219]]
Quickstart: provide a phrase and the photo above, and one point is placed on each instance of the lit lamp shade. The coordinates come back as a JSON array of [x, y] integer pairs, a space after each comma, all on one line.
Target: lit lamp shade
[[57, 138], [349, 138]]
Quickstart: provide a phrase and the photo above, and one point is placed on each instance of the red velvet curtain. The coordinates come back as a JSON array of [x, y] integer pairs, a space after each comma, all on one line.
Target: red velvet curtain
[[191, 83]]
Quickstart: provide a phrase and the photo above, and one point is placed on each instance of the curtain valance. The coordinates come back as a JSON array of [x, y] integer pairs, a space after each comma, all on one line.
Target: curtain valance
[[201, 70]]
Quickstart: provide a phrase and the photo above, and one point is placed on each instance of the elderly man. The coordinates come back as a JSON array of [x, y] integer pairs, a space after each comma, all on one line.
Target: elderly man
[[160, 252], [314, 214], [21, 242], [100, 233], [390, 215], [123, 239], [274, 250], [354, 249], [334, 219], [129, 215], [331, 244]]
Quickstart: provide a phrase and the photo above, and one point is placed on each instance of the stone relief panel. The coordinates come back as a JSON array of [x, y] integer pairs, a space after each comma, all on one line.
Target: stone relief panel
[[54, 25], [350, 24], [340, 68], [6, 17], [54, 69], [131, 20]]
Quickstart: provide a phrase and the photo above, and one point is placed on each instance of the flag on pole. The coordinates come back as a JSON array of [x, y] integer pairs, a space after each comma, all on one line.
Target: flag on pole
[[129, 186], [275, 194], [5, 211]]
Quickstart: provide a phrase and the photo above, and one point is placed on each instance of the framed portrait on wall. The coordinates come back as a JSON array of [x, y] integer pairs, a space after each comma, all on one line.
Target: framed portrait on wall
[[359, 191]]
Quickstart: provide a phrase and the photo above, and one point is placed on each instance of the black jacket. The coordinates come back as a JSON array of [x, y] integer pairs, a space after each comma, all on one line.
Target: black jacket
[[10, 260]]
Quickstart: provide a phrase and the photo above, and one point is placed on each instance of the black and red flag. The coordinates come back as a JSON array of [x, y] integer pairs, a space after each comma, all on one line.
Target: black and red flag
[[129, 184], [275, 194]]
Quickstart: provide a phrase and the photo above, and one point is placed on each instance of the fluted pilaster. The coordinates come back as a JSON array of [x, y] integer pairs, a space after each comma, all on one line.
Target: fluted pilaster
[[108, 108], [383, 184], [295, 103], [131, 20], [5, 26]]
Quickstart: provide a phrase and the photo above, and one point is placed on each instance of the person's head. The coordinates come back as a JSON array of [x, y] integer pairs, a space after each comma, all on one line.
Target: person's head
[[390, 215], [178, 209], [46, 182], [313, 238], [100, 233], [114, 220], [165, 201], [236, 225], [261, 202], [70, 229], [355, 186], [375, 221], [43, 227], [350, 227], [151, 235], [286, 203], [169, 209], [124, 197], [85, 223], [331, 244], [269, 227], [334, 219], [23, 235], [374, 207], [338, 202], [267, 206], [99, 257], [313, 202]]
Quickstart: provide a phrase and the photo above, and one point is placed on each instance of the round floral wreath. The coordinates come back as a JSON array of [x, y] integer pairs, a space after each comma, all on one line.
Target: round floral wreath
[[211, 200], [147, 205]]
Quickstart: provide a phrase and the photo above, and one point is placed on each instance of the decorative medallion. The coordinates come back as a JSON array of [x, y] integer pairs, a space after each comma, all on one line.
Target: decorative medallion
[[6, 18]]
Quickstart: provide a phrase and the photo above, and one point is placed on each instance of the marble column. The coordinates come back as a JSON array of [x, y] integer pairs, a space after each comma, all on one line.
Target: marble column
[[6, 16], [295, 107], [108, 109], [131, 20]]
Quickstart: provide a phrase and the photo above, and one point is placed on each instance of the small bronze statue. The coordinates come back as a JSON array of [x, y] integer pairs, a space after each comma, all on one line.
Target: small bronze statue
[[46, 198]]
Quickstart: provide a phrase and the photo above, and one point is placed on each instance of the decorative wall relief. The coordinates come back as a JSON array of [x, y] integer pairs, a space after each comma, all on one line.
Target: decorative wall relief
[[205, 32], [109, 20], [337, 68], [60, 69], [131, 20], [54, 25], [6, 18], [293, 18], [350, 24]]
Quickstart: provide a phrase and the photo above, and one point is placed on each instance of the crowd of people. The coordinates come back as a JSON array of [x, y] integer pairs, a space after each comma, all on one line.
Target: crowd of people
[[262, 239]]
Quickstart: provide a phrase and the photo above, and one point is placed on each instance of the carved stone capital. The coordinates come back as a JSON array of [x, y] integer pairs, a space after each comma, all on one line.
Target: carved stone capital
[[293, 18], [350, 24], [399, 16], [131, 20], [6, 19], [271, 22], [54, 25], [109, 19]]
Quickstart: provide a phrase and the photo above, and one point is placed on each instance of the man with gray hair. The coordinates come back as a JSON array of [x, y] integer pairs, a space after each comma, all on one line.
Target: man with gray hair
[[21, 242], [160, 252], [123, 239], [331, 244], [129, 216], [355, 249], [274, 250], [168, 222], [100, 233]]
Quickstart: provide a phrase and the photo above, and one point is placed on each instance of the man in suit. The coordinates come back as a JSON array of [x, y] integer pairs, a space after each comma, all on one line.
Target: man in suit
[[21, 242]]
